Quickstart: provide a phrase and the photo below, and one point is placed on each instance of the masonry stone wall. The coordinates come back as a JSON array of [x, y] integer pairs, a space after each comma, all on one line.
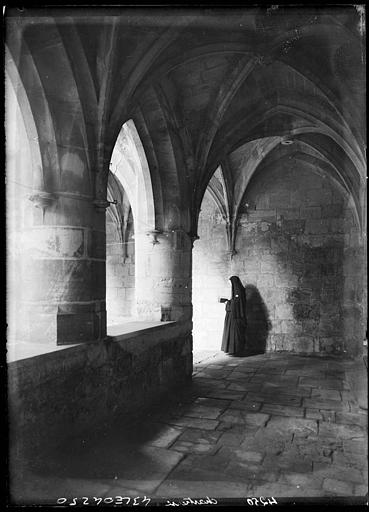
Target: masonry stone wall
[[163, 275], [301, 258], [19, 219], [299, 253], [120, 273]]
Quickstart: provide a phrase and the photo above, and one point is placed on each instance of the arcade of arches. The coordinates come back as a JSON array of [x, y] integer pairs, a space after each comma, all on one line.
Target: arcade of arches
[[151, 155]]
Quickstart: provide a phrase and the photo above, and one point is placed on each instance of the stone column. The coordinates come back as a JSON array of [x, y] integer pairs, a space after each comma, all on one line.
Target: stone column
[[163, 275], [64, 274]]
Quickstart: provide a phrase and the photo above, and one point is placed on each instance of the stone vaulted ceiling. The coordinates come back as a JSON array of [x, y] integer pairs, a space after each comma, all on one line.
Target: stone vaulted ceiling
[[205, 88]]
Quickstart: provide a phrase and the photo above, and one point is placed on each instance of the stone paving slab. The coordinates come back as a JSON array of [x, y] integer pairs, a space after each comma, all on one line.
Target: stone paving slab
[[329, 416], [212, 402], [297, 426], [249, 383], [282, 410], [287, 391], [278, 490], [217, 462], [361, 490], [338, 487], [323, 394], [356, 445], [352, 418], [283, 399], [315, 403], [238, 386], [301, 480], [265, 440], [247, 470], [209, 381], [247, 405], [194, 447], [341, 431], [231, 438], [224, 394], [349, 459], [212, 374], [345, 473], [287, 461], [337, 384], [186, 421], [199, 411], [235, 416], [313, 414], [196, 435]]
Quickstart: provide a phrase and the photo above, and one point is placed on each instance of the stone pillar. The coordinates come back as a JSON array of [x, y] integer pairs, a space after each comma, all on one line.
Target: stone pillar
[[64, 274], [163, 275]]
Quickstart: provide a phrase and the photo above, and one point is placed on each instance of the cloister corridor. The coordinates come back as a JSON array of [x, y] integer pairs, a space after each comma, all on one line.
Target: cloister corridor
[[186, 186]]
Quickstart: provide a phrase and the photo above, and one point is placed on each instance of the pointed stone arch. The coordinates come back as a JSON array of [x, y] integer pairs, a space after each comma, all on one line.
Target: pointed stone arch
[[129, 165]]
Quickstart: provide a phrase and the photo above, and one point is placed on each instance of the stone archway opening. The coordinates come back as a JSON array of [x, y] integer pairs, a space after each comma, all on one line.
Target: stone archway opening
[[210, 269], [120, 254], [130, 214]]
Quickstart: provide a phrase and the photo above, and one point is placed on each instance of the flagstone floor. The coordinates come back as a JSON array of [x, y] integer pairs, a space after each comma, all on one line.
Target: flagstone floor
[[274, 425]]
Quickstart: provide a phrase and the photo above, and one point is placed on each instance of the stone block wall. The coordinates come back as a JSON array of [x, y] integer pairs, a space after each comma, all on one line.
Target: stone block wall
[[163, 276], [75, 390], [299, 252], [120, 274], [301, 258]]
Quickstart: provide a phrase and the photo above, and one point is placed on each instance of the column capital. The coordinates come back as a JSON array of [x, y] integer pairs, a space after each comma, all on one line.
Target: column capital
[[231, 253], [193, 238]]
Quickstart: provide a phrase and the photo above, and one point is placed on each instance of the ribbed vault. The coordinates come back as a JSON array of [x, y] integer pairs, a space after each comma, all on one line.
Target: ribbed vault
[[199, 87]]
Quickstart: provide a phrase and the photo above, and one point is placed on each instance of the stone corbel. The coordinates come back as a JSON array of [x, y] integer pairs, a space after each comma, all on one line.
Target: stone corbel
[[154, 236], [193, 238], [101, 204], [263, 60], [231, 253], [43, 200]]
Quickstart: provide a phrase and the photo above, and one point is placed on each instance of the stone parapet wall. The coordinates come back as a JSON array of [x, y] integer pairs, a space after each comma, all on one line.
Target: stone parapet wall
[[68, 392]]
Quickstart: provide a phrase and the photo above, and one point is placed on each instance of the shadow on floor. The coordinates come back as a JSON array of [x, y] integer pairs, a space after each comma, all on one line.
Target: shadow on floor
[[122, 449]]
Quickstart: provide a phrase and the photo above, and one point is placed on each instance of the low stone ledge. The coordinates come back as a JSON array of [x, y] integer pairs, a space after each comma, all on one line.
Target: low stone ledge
[[68, 392]]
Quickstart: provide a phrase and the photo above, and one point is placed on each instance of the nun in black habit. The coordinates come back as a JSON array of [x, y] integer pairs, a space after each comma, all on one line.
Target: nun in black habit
[[234, 333]]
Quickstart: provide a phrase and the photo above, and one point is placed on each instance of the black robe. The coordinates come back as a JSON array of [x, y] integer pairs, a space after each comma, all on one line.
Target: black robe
[[234, 333]]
